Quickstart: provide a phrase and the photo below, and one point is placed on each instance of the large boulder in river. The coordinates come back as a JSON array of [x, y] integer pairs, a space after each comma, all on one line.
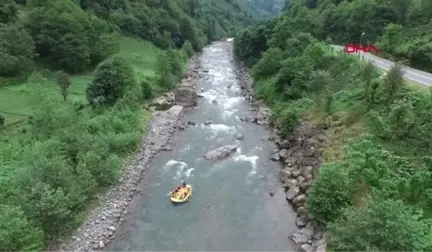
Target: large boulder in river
[[186, 97], [221, 152]]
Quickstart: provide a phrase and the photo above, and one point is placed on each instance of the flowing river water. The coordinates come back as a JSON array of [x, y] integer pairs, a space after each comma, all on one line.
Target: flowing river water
[[231, 209]]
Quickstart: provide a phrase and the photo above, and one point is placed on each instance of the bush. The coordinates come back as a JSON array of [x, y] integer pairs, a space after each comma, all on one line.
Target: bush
[[330, 193], [104, 46], [188, 48], [176, 65], [269, 64], [286, 115], [58, 29], [147, 90], [17, 233], [106, 170], [164, 76], [111, 80], [16, 50], [383, 225], [129, 24], [293, 77], [189, 32], [2, 120], [67, 36], [249, 44]]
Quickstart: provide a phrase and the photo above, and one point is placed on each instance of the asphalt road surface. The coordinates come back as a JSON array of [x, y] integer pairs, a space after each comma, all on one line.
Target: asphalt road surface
[[409, 73]]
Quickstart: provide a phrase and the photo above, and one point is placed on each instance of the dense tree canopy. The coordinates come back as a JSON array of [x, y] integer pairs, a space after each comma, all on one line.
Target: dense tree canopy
[[76, 35]]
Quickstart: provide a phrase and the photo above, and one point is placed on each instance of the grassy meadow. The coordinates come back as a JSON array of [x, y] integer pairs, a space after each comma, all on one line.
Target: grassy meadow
[[15, 102]]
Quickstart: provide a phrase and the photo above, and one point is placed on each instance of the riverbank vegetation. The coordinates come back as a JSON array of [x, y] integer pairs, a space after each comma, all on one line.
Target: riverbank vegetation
[[73, 76], [374, 191]]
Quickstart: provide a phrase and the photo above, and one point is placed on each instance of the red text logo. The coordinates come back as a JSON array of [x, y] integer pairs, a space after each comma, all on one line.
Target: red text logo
[[352, 48]]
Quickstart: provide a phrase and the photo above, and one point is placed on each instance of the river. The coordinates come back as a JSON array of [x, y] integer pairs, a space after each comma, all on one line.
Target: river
[[231, 208]]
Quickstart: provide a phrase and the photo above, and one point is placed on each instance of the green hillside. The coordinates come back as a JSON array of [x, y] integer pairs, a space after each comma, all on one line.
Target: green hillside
[[373, 192], [76, 35]]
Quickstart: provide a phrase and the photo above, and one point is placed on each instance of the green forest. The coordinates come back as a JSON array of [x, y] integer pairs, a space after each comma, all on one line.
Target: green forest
[[374, 192], [73, 77]]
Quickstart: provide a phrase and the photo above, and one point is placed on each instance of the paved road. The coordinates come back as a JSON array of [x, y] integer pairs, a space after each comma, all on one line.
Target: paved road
[[409, 73]]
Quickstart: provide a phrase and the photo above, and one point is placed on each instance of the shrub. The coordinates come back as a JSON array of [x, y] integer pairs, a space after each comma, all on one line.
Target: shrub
[[17, 233], [104, 46], [330, 193], [269, 64], [111, 80], [68, 36], [105, 169], [2, 120], [286, 115], [176, 65], [383, 225], [147, 90], [164, 76], [16, 50], [58, 29], [64, 82], [293, 77], [188, 48]]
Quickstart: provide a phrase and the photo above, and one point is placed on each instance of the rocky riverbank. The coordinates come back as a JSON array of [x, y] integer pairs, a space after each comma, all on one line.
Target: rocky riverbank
[[301, 157], [101, 223]]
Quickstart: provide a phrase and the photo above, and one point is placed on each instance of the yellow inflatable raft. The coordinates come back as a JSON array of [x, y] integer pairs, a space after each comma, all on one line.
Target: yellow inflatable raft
[[182, 195]]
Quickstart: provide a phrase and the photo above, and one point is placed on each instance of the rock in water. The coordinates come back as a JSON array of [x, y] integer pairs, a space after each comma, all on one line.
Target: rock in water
[[306, 248], [186, 97], [301, 221], [275, 157], [239, 136], [221, 152]]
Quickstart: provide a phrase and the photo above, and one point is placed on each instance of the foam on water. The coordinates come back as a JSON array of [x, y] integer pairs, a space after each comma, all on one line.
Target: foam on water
[[222, 128], [235, 88], [186, 148], [230, 112], [220, 91], [218, 129], [251, 159], [257, 148], [218, 77], [188, 172], [176, 163], [211, 95], [181, 169], [232, 102]]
